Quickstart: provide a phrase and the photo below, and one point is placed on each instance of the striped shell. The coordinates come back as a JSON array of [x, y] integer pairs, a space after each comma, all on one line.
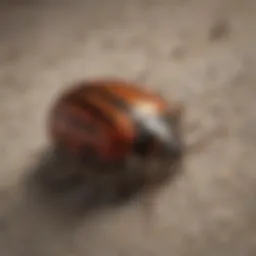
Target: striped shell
[[109, 119]]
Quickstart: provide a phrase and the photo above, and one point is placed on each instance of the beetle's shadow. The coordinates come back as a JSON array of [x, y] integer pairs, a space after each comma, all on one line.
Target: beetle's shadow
[[82, 190], [77, 194]]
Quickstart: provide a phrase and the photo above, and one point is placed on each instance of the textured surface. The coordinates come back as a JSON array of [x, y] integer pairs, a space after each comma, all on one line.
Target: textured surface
[[202, 52]]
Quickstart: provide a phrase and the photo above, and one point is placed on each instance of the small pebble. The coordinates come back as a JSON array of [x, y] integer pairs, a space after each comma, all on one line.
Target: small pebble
[[219, 30]]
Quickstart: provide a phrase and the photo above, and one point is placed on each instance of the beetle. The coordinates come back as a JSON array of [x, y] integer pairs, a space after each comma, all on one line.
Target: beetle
[[107, 120], [101, 126]]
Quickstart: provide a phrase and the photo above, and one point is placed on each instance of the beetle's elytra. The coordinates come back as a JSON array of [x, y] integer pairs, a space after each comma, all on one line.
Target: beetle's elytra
[[111, 119]]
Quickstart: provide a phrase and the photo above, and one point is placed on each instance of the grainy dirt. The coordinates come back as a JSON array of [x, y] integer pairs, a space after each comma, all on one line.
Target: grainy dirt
[[200, 52]]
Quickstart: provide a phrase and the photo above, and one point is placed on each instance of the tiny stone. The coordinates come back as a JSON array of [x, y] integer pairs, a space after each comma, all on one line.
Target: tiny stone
[[219, 30]]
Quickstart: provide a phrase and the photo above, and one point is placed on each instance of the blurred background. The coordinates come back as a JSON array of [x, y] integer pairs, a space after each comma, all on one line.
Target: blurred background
[[199, 52]]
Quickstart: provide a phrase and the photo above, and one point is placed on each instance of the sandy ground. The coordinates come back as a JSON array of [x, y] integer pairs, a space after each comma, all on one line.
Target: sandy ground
[[200, 52]]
